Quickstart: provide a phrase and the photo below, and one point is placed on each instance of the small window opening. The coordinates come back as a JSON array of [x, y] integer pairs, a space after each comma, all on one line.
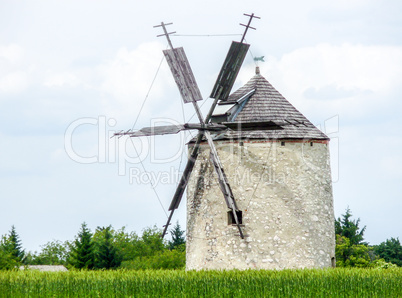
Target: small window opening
[[282, 143], [241, 144], [231, 220], [333, 263], [311, 144]]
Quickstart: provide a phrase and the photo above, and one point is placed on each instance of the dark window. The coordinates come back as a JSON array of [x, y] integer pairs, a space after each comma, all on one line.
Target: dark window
[[282, 143], [311, 144], [231, 220]]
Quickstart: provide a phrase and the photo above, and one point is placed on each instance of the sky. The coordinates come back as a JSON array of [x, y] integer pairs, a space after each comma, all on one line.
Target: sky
[[74, 72]]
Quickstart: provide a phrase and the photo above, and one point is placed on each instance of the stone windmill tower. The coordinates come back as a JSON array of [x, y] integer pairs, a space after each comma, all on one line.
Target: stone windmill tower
[[258, 181], [282, 182]]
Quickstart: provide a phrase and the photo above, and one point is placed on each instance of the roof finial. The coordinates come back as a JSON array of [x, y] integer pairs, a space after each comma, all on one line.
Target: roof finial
[[256, 60]]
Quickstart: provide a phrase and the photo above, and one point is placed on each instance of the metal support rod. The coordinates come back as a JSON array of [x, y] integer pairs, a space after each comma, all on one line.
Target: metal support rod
[[184, 179], [212, 108], [218, 165], [186, 173], [227, 192], [163, 25], [198, 112], [248, 25], [168, 223]]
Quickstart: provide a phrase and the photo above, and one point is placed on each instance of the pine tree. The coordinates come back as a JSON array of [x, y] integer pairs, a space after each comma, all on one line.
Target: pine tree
[[107, 255], [7, 260], [350, 250], [177, 237], [349, 228], [11, 245], [82, 251]]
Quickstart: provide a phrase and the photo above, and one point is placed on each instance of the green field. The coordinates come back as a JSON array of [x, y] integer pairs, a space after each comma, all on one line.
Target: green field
[[163, 283]]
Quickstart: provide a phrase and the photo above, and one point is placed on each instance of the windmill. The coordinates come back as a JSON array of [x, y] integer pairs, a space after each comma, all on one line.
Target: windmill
[[282, 223], [190, 93]]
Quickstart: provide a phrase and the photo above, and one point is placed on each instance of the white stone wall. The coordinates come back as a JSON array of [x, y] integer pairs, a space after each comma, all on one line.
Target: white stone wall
[[285, 194]]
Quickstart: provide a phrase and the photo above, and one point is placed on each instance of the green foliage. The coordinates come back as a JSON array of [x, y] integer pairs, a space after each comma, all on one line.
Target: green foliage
[[350, 250], [107, 248], [177, 235], [16, 247], [349, 228], [382, 264], [11, 245], [150, 252], [11, 253], [131, 246], [390, 251], [338, 282], [53, 253], [107, 255], [82, 250], [7, 262], [151, 242], [126, 243], [168, 259], [349, 255]]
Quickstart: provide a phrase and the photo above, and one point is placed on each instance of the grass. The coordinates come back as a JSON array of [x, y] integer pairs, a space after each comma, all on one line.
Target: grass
[[338, 282]]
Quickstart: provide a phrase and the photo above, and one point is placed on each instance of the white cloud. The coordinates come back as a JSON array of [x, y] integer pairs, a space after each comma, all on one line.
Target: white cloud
[[126, 79], [373, 68], [13, 74], [11, 53], [130, 73], [341, 79], [13, 82], [61, 79], [391, 165]]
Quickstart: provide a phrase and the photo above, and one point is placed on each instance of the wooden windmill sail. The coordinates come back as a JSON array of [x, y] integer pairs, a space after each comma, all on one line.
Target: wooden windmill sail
[[190, 93]]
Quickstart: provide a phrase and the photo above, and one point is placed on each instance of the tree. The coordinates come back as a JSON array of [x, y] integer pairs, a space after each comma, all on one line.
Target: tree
[[82, 250], [126, 243], [390, 250], [351, 255], [349, 228], [150, 251], [53, 253], [11, 245], [350, 250], [131, 246], [178, 238], [151, 242], [167, 259], [107, 255], [7, 261]]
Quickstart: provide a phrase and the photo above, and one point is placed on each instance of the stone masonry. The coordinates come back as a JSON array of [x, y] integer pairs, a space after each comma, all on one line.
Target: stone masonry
[[284, 190]]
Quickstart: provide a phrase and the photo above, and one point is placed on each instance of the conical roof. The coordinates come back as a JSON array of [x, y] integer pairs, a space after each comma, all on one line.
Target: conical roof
[[260, 103]]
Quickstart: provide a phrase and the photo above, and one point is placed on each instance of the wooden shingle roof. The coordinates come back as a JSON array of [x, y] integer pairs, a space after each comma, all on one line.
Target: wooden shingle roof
[[259, 102]]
